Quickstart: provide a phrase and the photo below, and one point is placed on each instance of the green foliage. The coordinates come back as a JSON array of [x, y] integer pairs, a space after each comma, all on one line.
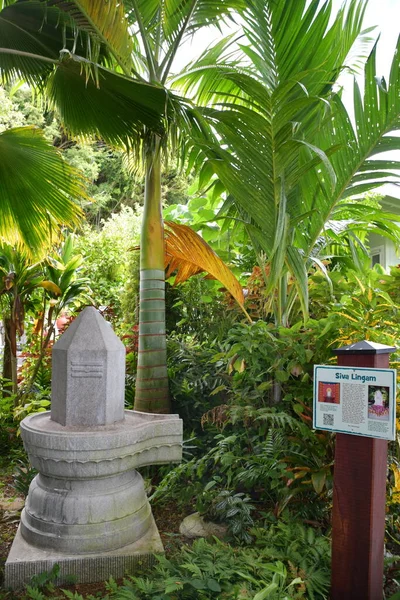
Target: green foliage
[[276, 467], [197, 308], [46, 187], [43, 582], [303, 548], [287, 561], [259, 354], [228, 238], [362, 306], [34, 401], [268, 452], [235, 511], [194, 378], [210, 570], [112, 186], [23, 475], [8, 428], [110, 183], [312, 166], [105, 252], [10, 115], [34, 593]]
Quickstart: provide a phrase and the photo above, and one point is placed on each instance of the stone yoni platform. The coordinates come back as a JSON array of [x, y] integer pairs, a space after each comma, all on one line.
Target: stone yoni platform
[[87, 509]]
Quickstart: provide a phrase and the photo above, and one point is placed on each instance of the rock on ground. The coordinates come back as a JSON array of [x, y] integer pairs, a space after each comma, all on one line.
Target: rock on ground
[[194, 526]]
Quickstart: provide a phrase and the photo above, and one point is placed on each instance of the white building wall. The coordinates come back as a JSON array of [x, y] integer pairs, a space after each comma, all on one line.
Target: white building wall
[[384, 249]]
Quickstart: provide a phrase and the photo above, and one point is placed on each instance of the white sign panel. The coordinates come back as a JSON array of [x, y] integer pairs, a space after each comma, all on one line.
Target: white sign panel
[[355, 400]]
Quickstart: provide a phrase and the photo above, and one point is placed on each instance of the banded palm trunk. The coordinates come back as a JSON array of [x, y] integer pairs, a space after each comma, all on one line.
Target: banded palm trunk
[[152, 379]]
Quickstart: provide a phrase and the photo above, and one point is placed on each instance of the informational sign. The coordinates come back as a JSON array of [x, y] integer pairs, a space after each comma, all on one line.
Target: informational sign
[[355, 400]]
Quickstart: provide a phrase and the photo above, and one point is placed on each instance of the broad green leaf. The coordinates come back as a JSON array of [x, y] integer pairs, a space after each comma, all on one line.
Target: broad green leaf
[[114, 107], [213, 585], [36, 188], [266, 592], [50, 286], [318, 480], [198, 584], [297, 267]]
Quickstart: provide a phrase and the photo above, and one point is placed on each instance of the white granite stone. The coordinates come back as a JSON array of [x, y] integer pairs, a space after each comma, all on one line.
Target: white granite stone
[[88, 500], [88, 496], [26, 560], [88, 378]]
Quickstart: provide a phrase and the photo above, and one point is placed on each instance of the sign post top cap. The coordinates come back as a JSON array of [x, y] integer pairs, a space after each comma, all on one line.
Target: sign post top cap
[[365, 347]]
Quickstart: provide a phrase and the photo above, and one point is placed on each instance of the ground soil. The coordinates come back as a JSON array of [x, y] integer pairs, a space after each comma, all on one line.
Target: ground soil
[[168, 520]]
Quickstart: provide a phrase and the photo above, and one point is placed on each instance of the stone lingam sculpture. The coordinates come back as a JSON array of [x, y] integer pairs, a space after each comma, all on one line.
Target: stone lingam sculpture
[[87, 509]]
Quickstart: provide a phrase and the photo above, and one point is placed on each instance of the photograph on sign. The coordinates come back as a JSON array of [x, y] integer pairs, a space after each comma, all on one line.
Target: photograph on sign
[[329, 392], [378, 403], [355, 400]]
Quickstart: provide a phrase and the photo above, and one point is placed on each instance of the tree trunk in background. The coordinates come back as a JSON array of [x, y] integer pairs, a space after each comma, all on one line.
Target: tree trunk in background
[[152, 379], [10, 357], [7, 372]]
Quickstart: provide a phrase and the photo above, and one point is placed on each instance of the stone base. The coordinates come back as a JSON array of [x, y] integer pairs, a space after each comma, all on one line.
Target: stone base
[[25, 560]]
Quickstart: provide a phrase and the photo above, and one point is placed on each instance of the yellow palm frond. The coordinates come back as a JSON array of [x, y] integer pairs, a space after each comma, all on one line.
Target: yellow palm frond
[[187, 254]]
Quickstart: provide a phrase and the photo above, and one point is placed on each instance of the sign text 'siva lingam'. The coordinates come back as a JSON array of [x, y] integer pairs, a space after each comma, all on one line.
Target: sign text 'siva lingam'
[[355, 400]]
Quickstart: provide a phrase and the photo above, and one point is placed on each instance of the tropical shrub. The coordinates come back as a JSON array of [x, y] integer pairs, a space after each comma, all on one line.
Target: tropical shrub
[[275, 459], [194, 378], [198, 308], [105, 253], [260, 354], [295, 566]]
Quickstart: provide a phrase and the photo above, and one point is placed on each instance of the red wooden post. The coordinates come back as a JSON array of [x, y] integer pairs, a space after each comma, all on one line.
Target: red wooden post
[[359, 497]]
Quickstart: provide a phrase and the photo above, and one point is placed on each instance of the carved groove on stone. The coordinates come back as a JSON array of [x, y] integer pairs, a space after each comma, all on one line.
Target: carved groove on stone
[[101, 460], [87, 369]]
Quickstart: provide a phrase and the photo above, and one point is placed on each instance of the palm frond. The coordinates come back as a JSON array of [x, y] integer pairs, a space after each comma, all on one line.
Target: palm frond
[[105, 23], [42, 45], [113, 107], [164, 24], [30, 44], [187, 254], [38, 190], [376, 116]]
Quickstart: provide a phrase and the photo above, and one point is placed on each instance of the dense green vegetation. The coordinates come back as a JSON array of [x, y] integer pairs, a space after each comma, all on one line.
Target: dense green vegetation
[[251, 146]]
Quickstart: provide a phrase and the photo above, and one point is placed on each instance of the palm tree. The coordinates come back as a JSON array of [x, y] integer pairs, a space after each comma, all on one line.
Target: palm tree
[[287, 141], [106, 67]]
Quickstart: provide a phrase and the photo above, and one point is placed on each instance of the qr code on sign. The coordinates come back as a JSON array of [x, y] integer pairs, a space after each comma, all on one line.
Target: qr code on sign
[[328, 419]]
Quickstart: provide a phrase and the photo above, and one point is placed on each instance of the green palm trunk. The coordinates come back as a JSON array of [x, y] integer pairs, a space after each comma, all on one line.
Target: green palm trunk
[[152, 379]]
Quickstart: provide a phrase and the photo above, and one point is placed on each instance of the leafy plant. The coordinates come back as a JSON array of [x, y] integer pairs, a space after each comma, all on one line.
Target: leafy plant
[[260, 356], [8, 428], [24, 473], [41, 189], [235, 511], [109, 276], [33, 402], [304, 549], [45, 581], [194, 378], [210, 570]]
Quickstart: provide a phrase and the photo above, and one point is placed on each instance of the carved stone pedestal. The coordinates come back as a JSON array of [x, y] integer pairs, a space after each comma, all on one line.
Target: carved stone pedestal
[[87, 509]]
